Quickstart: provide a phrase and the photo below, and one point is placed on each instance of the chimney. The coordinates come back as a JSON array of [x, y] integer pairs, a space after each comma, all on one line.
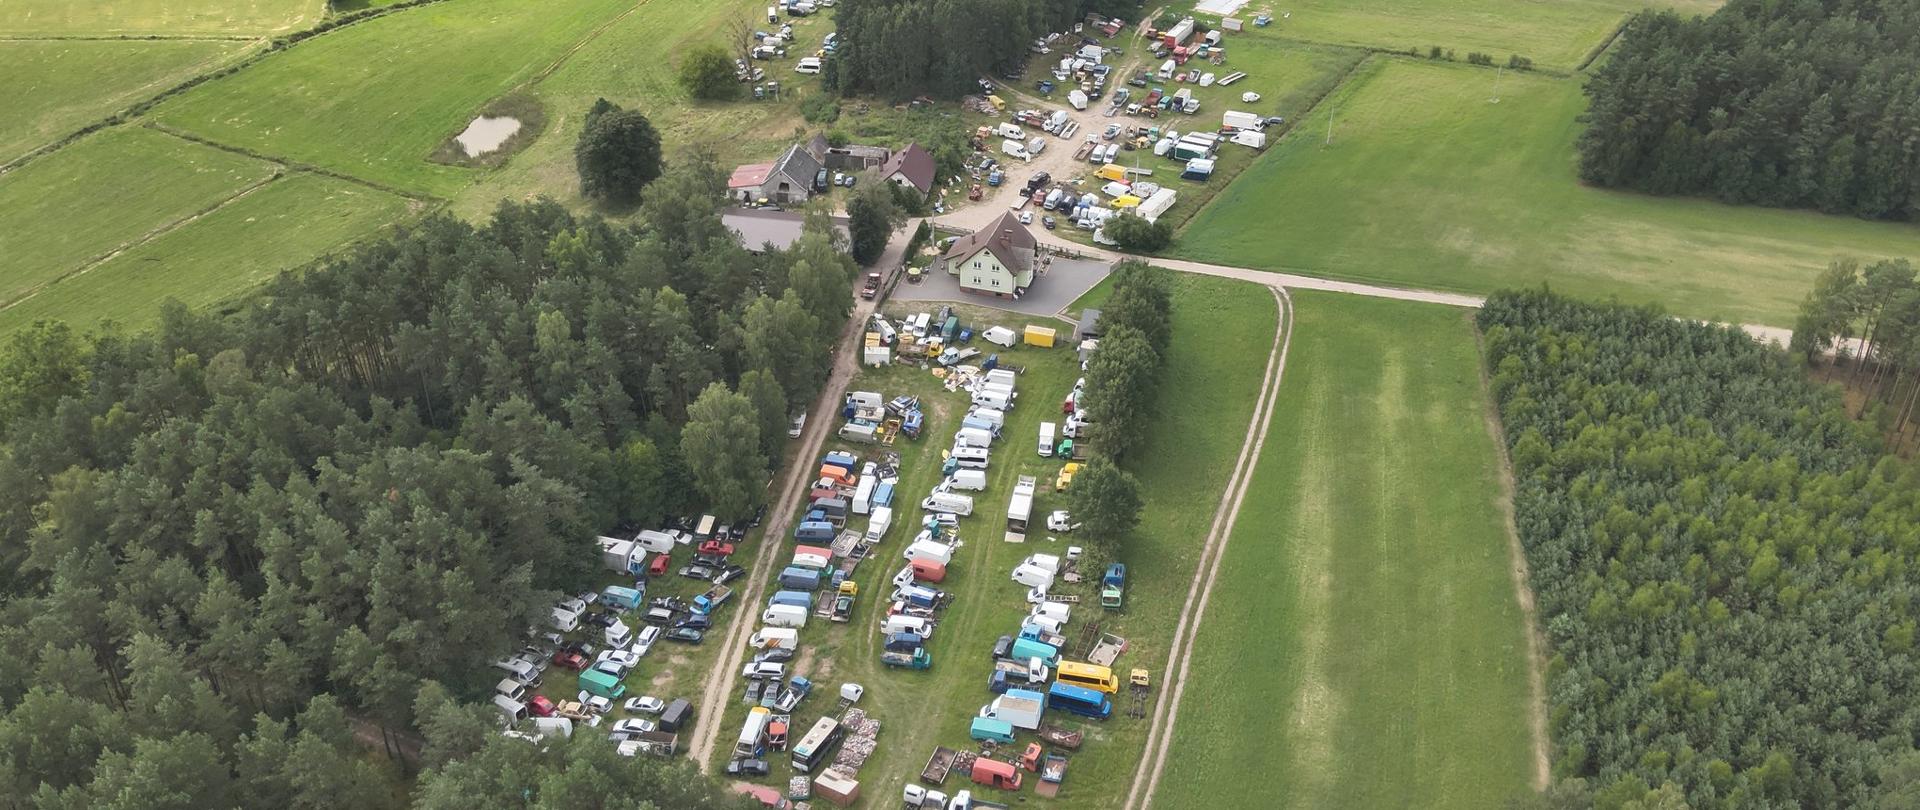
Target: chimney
[[1006, 237]]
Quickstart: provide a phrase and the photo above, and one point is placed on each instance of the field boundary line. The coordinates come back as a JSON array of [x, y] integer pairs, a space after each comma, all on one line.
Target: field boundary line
[[131, 38], [142, 239], [1521, 574], [583, 42], [1166, 709], [1605, 44], [287, 162]]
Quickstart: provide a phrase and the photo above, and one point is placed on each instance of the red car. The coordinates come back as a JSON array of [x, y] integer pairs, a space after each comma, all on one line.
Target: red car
[[540, 707], [569, 660], [658, 567], [717, 548]]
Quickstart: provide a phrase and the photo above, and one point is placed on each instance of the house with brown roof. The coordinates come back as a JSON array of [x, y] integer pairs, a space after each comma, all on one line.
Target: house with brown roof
[[911, 167], [997, 260]]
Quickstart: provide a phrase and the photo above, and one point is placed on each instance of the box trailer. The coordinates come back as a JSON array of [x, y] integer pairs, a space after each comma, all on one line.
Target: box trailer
[[1046, 439], [863, 495], [1021, 506], [1235, 119], [878, 523], [1042, 336], [1021, 708]]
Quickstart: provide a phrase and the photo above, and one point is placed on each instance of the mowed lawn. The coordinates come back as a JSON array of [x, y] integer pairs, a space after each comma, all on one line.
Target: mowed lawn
[[105, 191], [170, 17], [1427, 184], [1223, 329], [216, 258], [54, 87], [1363, 647], [375, 99], [632, 64], [1553, 33]]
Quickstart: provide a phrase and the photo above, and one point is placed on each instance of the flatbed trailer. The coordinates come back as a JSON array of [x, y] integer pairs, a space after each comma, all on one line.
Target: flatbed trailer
[[1055, 735], [938, 765], [1107, 650]]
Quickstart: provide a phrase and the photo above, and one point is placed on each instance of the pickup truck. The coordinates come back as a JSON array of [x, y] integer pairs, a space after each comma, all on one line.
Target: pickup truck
[[797, 690], [872, 287], [918, 659], [706, 602]]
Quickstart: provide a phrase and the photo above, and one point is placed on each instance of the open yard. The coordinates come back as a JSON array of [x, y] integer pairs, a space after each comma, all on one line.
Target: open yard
[[374, 100], [1223, 329], [216, 258], [1428, 184], [1553, 33], [89, 199], [1363, 645], [54, 87], [233, 18]]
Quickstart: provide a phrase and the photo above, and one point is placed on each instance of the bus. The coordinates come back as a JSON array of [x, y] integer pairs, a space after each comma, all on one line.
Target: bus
[[1091, 676], [753, 733], [817, 745], [1079, 700]]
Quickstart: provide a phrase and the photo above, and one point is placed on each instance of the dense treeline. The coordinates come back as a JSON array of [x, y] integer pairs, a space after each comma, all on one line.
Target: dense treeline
[[1804, 104], [1724, 561], [1870, 317], [351, 494], [1122, 384], [905, 48]]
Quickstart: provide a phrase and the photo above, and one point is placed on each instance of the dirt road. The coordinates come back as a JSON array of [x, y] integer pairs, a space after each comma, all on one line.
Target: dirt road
[[821, 421], [1166, 708]]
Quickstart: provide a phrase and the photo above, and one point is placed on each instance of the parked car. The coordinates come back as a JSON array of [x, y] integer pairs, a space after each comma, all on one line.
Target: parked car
[[580, 648], [646, 704], [595, 703], [1026, 217], [697, 571], [658, 568], [627, 658], [1113, 131], [635, 725], [1002, 647], [540, 706], [648, 635], [602, 619], [798, 425], [1049, 222], [777, 655], [570, 660], [747, 767], [698, 621], [615, 668], [686, 634], [728, 574]]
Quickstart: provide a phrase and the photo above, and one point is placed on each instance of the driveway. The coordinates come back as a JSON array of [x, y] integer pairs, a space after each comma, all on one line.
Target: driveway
[[1059, 284]]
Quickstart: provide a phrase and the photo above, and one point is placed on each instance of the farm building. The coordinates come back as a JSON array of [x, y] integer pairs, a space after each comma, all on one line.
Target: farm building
[[998, 260], [911, 167], [760, 229], [853, 157], [786, 180]]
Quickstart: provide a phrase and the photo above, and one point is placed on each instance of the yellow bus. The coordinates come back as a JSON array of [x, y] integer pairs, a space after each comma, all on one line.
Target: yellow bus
[[1091, 676]]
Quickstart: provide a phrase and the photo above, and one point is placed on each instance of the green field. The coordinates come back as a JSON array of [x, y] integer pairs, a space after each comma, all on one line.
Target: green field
[[1363, 647], [220, 256], [1553, 33], [103, 192], [630, 64], [167, 17], [1427, 184], [54, 87], [1193, 451], [374, 100]]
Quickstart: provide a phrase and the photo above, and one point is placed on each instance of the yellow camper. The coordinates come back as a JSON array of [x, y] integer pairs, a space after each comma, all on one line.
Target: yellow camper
[[1111, 171], [1039, 336]]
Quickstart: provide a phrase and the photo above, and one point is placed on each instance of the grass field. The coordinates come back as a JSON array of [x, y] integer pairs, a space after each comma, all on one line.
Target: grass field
[[105, 191], [1363, 647], [223, 255], [374, 100], [54, 87], [631, 64], [165, 17], [1553, 33], [1193, 448], [1427, 184]]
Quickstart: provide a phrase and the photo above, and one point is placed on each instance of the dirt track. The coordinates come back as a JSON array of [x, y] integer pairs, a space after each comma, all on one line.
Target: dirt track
[[1166, 708]]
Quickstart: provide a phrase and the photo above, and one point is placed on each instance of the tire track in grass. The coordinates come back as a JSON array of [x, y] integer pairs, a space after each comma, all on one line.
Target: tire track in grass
[[1166, 707], [1316, 707]]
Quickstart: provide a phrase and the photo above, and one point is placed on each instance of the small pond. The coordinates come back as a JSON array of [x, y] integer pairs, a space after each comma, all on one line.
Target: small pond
[[486, 134]]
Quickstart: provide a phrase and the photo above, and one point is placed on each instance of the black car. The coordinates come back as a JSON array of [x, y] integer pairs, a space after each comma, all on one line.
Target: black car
[[747, 767], [1002, 647], [698, 621], [696, 571], [728, 574], [602, 619], [1050, 222], [713, 561], [777, 655], [686, 634], [820, 181]]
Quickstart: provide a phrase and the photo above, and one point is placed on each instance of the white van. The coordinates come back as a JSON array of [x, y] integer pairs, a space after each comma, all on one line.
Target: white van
[[887, 335], [517, 669], [1033, 576], [1050, 562], [618, 635], [810, 64], [929, 551], [973, 437], [773, 14], [1015, 149], [995, 387], [1001, 336], [510, 689], [1002, 376], [908, 624], [775, 637], [656, 542], [1053, 610], [563, 620], [948, 502], [784, 616], [1008, 129], [1047, 623], [993, 399], [971, 458], [1074, 428], [1046, 440], [512, 711], [968, 480], [992, 416]]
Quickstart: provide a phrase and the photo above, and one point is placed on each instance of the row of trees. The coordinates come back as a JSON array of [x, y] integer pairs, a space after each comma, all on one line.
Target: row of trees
[[905, 48], [1122, 385], [1803, 104], [1871, 318], [1725, 563], [360, 487]]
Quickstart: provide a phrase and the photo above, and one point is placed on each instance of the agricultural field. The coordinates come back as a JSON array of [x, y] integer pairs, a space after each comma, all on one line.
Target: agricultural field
[[217, 257], [54, 218], [1558, 34], [738, 132], [57, 86], [374, 100], [1222, 332], [229, 18], [1428, 184], [1363, 642]]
